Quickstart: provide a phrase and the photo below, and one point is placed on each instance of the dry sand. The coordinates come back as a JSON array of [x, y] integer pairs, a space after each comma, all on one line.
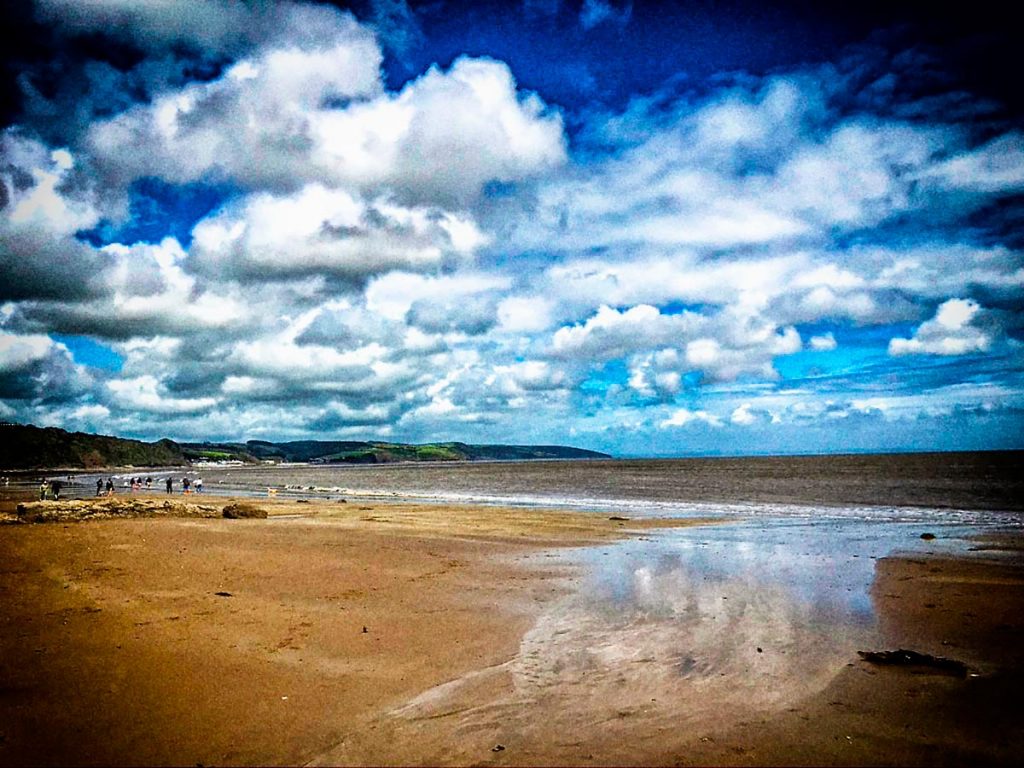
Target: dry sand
[[379, 633]]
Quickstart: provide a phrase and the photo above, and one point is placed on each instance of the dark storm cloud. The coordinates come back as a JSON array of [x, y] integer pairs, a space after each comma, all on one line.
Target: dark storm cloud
[[469, 314], [348, 328], [331, 420], [95, 319], [37, 370], [36, 266]]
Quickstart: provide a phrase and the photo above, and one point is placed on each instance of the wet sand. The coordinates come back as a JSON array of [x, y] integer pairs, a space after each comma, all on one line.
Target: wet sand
[[116, 648]]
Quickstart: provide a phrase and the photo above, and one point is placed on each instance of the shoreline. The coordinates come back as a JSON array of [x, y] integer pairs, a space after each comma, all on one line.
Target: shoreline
[[118, 648], [991, 481], [733, 508]]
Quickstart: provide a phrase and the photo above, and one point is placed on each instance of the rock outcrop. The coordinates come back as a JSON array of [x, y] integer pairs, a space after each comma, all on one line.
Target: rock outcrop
[[243, 510], [76, 510]]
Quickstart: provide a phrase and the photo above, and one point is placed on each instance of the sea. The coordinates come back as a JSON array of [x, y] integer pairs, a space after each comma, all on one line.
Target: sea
[[971, 486]]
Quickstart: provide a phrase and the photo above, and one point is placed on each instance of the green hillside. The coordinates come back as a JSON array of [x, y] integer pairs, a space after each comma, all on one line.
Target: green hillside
[[24, 446], [362, 452]]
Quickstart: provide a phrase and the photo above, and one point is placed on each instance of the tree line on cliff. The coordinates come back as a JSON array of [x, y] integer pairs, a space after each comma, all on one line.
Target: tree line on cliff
[[24, 446]]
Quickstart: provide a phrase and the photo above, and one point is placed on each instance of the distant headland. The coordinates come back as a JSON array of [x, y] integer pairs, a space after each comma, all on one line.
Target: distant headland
[[24, 446]]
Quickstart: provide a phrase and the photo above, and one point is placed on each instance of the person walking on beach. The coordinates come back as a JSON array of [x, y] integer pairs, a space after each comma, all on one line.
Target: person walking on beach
[[185, 486], [42, 490], [170, 484], [55, 486], [199, 485], [149, 483], [110, 486], [99, 486]]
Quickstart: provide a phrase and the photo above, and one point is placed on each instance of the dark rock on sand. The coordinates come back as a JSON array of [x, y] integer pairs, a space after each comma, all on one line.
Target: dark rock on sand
[[905, 658], [242, 510]]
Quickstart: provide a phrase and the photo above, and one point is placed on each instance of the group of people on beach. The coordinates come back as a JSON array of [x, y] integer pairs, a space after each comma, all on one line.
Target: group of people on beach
[[48, 487], [187, 485], [131, 484], [52, 488], [101, 488]]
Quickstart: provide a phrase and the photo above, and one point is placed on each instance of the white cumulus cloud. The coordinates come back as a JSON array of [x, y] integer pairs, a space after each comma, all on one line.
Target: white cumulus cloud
[[743, 416], [683, 417], [823, 343], [951, 332], [317, 112], [145, 393]]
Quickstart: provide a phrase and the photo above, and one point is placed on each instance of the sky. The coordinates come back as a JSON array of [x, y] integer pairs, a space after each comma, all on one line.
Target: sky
[[650, 229]]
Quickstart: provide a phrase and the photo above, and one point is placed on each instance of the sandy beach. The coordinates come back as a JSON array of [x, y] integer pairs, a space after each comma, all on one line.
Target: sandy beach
[[369, 633]]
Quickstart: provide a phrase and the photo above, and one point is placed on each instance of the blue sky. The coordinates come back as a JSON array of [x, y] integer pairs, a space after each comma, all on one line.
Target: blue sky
[[645, 228]]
